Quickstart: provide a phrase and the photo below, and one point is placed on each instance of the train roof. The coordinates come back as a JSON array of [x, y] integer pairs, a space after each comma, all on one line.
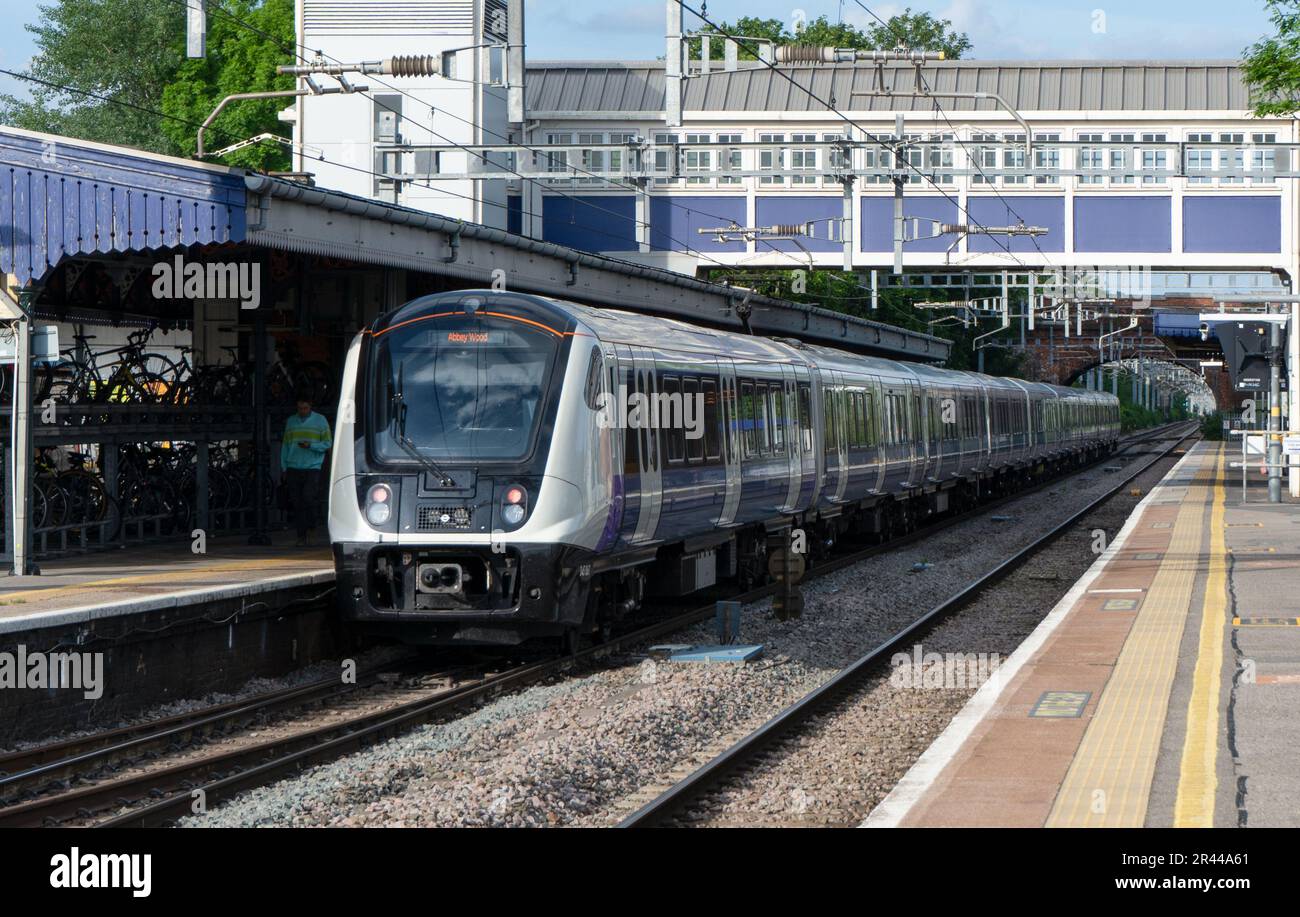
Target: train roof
[[638, 329]]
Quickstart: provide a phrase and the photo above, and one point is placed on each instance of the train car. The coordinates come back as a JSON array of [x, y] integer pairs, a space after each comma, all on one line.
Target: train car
[[509, 467]]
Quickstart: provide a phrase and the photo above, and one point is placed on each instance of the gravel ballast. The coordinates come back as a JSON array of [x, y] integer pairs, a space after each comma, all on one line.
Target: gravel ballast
[[587, 750]]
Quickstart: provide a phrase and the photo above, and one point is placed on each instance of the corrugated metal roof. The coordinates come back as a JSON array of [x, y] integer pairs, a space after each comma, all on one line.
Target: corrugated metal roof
[[61, 197], [1205, 85]]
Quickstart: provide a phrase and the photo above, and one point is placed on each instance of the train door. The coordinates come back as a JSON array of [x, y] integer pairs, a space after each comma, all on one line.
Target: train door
[[918, 442], [729, 410], [931, 405], [812, 467], [877, 424], [647, 438], [837, 460], [784, 424]]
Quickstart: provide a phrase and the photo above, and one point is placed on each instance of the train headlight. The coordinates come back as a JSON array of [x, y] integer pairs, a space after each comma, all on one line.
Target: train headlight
[[379, 504], [514, 505]]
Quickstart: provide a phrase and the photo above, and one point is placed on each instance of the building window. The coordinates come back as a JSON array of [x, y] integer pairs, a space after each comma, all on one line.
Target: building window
[[558, 160], [938, 158], [592, 160], [730, 160], [616, 156], [664, 164], [1120, 159], [1263, 160], [835, 158], [1090, 158], [1047, 158], [804, 159], [1231, 160], [771, 159], [1154, 159], [984, 159], [1200, 159], [1013, 158], [698, 161], [875, 155]]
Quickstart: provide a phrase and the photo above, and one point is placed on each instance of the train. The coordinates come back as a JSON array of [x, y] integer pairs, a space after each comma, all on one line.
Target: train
[[510, 468]]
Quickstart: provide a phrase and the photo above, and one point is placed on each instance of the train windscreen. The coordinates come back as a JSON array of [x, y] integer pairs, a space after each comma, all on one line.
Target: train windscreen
[[462, 390]]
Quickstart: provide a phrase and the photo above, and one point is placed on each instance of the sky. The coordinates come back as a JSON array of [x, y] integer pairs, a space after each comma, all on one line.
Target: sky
[[999, 29]]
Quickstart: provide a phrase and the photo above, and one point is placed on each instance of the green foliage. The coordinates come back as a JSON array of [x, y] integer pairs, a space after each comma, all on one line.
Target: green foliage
[[1272, 65], [133, 52], [1212, 426], [918, 31], [842, 292], [126, 50], [239, 60]]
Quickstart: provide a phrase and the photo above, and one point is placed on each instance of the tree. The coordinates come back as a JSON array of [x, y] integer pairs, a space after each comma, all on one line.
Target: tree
[[842, 292], [132, 52], [239, 60], [124, 50], [918, 31], [1272, 65]]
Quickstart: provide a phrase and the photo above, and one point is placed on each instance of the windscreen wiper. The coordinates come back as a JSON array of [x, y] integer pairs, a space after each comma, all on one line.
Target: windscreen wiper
[[399, 433]]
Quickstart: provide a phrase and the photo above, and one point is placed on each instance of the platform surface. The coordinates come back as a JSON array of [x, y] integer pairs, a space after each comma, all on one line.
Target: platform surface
[[130, 580], [1161, 691]]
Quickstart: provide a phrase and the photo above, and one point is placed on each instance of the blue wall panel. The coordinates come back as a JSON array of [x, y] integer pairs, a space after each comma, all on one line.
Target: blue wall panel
[[591, 223], [1122, 223], [877, 233], [1047, 212], [674, 222], [799, 209], [1238, 223]]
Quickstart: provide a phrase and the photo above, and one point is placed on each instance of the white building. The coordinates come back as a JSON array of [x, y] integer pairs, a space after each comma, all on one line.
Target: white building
[[373, 132], [1157, 164]]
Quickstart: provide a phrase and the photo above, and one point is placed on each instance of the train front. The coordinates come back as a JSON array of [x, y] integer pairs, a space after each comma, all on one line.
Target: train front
[[467, 491]]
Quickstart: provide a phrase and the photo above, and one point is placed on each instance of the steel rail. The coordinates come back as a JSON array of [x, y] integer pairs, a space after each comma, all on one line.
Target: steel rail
[[264, 762], [700, 781], [341, 739], [20, 770]]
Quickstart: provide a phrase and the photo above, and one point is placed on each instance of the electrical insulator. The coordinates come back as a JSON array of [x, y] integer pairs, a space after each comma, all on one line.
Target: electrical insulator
[[414, 65]]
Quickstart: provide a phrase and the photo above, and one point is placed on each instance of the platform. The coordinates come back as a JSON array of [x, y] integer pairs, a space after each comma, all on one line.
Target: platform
[[1162, 690], [156, 577]]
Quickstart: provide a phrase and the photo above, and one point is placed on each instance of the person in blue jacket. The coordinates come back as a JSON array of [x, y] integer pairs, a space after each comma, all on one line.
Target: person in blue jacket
[[307, 441]]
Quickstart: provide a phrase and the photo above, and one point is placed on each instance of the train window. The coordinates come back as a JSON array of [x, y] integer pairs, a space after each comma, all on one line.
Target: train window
[[805, 417], [595, 379], [631, 435], [778, 418], [694, 437], [762, 415], [829, 426], [747, 419], [859, 419], [649, 389], [670, 421], [712, 420]]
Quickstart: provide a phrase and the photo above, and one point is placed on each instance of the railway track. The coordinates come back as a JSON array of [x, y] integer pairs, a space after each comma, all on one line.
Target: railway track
[[697, 785], [153, 796]]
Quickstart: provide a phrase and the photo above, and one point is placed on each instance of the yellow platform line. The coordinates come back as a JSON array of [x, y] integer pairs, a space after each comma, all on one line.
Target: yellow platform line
[[157, 579], [1110, 777], [1198, 774]]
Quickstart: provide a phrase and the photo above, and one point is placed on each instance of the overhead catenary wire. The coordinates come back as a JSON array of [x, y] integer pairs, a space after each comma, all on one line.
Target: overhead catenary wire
[[294, 47]]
